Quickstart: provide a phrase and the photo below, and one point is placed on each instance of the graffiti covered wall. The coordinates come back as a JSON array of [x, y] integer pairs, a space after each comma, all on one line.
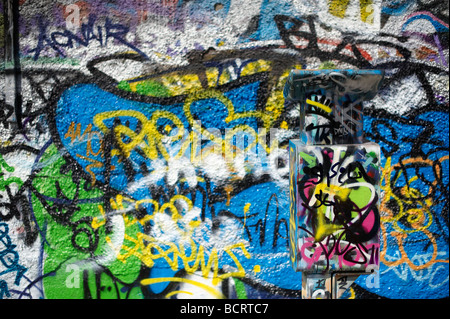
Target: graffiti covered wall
[[144, 144]]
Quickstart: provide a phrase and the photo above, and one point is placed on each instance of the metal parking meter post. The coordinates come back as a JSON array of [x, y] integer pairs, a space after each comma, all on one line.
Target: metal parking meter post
[[334, 181]]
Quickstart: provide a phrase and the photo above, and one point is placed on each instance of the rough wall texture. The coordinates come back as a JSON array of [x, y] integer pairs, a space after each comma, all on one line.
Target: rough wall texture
[[143, 144]]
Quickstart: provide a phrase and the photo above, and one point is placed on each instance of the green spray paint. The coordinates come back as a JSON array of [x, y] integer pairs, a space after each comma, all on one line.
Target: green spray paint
[[78, 261]]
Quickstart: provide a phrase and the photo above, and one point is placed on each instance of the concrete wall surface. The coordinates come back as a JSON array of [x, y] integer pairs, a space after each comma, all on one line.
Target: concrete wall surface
[[144, 144]]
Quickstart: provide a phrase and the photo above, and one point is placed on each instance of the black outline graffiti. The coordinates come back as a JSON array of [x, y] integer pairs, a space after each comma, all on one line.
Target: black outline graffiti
[[27, 116]]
